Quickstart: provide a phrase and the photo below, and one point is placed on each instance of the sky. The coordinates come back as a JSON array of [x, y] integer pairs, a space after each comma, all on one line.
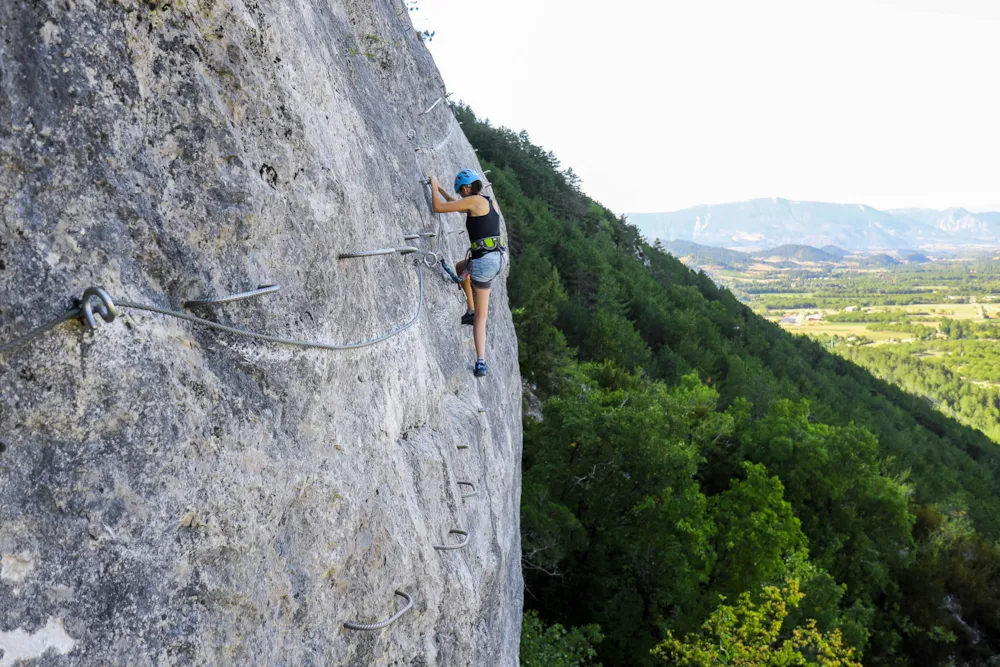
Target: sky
[[663, 104]]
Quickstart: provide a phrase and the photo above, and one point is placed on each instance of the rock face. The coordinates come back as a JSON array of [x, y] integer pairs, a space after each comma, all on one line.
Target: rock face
[[176, 495]]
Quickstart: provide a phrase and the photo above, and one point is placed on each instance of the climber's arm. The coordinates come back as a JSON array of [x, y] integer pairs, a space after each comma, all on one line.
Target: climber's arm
[[442, 206]]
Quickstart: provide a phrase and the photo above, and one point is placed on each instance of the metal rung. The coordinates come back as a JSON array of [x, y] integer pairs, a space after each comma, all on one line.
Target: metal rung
[[452, 547], [212, 301], [405, 250], [436, 102], [471, 486], [381, 624]]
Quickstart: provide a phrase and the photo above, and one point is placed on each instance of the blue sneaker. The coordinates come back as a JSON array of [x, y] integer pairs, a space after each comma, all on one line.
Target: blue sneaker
[[481, 369]]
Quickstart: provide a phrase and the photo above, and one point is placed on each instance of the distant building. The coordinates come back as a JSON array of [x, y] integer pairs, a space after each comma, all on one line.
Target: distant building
[[850, 309], [815, 317], [791, 319]]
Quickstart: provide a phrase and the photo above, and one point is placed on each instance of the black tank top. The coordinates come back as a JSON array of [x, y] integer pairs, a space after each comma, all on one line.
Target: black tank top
[[483, 226]]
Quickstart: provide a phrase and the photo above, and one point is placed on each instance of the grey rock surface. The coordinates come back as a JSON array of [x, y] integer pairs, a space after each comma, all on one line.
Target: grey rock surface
[[174, 495]]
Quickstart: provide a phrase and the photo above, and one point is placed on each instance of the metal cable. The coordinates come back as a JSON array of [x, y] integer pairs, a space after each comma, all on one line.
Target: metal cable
[[38, 332], [436, 147], [471, 486], [452, 547], [279, 339], [107, 310], [211, 301], [83, 310], [366, 627]]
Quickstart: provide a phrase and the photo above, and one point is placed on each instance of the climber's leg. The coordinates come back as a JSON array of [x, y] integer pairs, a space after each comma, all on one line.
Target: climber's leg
[[461, 269], [482, 303], [483, 270]]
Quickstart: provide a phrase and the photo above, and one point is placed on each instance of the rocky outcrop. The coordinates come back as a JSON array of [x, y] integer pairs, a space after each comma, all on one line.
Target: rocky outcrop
[[176, 495]]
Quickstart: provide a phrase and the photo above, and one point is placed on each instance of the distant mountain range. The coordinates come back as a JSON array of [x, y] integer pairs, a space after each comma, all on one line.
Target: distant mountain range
[[702, 254], [762, 223]]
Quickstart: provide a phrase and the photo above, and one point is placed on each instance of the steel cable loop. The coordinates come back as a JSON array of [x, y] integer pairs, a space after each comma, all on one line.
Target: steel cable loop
[[451, 547], [107, 310], [435, 259], [211, 301], [282, 340], [471, 486], [367, 627]]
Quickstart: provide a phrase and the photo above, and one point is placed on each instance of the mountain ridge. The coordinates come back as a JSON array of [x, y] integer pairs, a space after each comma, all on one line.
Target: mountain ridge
[[761, 223]]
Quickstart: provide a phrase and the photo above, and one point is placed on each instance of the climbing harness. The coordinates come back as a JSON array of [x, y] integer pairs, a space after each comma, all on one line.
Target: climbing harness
[[490, 243], [366, 627], [452, 547]]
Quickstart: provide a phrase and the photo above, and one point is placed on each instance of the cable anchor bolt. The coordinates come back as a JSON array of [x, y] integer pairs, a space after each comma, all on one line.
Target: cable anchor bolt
[[105, 306]]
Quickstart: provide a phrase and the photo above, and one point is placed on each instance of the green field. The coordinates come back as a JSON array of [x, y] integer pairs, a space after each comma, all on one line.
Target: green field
[[933, 328]]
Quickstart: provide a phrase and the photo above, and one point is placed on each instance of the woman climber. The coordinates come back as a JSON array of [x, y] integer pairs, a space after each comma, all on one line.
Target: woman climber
[[487, 256]]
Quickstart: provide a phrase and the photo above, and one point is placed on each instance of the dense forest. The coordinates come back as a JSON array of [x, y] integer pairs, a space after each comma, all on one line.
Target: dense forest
[[697, 480], [937, 379]]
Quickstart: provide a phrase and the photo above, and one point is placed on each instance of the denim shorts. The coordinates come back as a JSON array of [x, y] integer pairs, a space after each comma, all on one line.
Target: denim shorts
[[483, 270]]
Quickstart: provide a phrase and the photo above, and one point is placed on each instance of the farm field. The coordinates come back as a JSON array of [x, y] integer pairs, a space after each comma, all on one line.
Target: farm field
[[932, 329]]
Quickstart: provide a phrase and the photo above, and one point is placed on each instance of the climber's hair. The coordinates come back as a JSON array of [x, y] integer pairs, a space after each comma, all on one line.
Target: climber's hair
[[475, 187]]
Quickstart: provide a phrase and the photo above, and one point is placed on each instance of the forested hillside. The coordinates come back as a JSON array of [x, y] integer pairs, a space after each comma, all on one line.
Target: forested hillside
[[689, 449]]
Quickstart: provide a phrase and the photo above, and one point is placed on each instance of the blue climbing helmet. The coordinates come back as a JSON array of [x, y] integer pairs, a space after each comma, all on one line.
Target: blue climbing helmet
[[466, 177]]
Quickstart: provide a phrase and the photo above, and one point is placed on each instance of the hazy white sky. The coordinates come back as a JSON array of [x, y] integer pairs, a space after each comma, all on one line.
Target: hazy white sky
[[663, 104]]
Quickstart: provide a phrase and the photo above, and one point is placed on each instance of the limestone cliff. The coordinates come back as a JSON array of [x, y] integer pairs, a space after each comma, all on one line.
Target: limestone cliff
[[176, 495]]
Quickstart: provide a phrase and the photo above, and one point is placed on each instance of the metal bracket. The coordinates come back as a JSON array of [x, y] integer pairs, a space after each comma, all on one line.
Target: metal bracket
[[378, 625], [105, 307], [452, 547]]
